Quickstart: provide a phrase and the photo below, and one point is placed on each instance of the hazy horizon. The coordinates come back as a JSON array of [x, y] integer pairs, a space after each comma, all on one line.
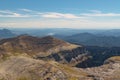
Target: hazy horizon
[[58, 28]]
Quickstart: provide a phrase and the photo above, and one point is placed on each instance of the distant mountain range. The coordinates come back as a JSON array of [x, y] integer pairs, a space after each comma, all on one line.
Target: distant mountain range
[[102, 38], [5, 33], [65, 31], [89, 39]]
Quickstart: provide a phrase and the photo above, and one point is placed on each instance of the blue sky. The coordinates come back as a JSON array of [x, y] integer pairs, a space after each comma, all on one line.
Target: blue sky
[[83, 14]]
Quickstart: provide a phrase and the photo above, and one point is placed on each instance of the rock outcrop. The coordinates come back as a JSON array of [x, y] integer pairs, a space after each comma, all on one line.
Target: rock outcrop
[[108, 71]]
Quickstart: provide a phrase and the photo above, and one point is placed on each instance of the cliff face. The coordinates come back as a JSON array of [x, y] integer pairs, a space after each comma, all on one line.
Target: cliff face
[[71, 57]]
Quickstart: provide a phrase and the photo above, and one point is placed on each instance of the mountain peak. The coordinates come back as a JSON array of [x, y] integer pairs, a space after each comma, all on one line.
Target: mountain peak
[[35, 45], [6, 33], [49, 37], [23, 35], [54, 40]]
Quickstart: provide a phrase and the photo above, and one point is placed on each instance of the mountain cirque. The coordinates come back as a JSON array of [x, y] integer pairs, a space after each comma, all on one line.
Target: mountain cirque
[[32, 58]]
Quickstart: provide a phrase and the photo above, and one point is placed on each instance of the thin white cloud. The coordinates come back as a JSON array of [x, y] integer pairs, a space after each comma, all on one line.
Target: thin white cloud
[[101, 14], [26, 10], [60, 15], [7, 13], [97, 13], [31, 13], [14, 15]]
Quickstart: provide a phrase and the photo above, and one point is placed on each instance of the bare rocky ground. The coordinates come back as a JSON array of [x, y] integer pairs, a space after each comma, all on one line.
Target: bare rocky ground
[[24, 68]]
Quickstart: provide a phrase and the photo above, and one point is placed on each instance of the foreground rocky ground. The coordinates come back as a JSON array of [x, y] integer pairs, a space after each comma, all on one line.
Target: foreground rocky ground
[[26, 68]]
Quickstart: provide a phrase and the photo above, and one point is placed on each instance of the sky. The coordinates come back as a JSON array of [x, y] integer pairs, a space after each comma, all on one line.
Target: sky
[[78, 14]]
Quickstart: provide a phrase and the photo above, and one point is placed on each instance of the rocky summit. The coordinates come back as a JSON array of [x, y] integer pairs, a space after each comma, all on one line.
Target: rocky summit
[[34, 46]]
